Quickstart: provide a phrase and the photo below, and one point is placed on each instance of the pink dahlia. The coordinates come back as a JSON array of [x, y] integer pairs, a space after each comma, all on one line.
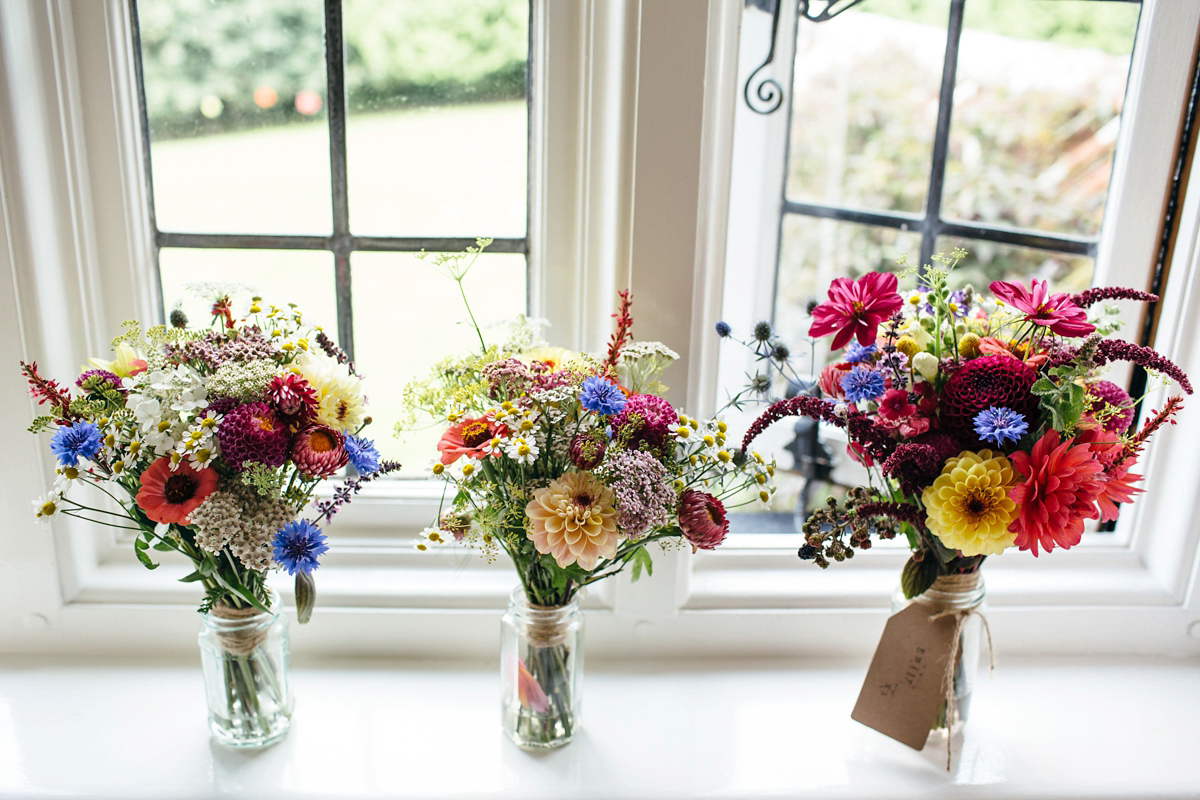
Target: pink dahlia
[[980, 384], [1062, 481], [1110, 396], [1055, 311], [702, 519], [469, 438], [294, 398], [856, 308], [645, 418], [254, 432], [318, 451]]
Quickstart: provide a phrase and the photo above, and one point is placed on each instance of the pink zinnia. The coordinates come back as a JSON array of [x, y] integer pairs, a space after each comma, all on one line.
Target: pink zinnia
[[1061, 483], [1056, 311], [856, 308], [702, 519]]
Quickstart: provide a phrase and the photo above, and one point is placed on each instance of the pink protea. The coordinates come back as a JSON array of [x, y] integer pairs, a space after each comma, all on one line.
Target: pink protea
[[1061, 482], [293, 397], [702, 519], [856, 308], [253, 432], [645, 418], [1054, 311], [319, 451]]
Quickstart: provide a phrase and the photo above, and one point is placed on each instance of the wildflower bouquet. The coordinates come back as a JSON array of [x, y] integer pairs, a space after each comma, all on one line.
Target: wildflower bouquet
[[984, 422], [210, 444], [572, 464]]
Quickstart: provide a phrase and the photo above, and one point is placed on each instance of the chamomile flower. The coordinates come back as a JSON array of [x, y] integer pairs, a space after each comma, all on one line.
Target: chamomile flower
[[46, 506], [522, 450]]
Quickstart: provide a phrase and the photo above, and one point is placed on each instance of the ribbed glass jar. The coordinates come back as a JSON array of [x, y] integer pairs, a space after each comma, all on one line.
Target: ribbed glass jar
[[541, 661], [244, 654], [954, 594]]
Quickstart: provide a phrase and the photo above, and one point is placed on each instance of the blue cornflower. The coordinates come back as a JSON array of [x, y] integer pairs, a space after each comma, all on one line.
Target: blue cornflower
[[999, 423], [861, 383], [74, 441], [857, 353], [601, 396], [723, 329], [297, 546], [363, 455]]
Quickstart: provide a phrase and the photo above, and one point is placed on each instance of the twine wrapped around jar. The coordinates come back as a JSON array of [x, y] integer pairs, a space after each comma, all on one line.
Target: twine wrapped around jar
[[239, 641], [545, 626]]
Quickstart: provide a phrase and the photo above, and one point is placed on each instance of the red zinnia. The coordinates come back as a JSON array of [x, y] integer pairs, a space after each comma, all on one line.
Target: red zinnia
[[172, 496], [1062, 482], [469, 438], [856, 308], [1056, 311], [702, 519]]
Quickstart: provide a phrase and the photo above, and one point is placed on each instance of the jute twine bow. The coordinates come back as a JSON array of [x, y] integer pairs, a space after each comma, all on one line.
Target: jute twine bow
[[242, 641], [958, 584]]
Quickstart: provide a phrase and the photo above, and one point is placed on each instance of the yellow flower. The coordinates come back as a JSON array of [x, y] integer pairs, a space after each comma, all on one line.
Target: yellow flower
[[340, 402], [968, 506], [968, 345]]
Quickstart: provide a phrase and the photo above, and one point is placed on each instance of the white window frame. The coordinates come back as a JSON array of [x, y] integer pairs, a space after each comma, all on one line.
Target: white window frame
[[632, 130]]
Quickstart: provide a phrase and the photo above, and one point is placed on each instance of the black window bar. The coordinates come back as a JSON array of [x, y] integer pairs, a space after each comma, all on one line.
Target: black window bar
[[341, 242]]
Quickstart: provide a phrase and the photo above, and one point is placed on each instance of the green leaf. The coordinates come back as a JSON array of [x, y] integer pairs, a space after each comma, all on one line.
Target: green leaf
[[1043, 386], [641, 559], [918, 576], [163, 546], [191, 577], [147, 562]]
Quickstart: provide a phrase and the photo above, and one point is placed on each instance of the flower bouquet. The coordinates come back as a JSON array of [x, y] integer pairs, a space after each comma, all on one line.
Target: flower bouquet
[[572, 465], [210, 444], [984, 423]]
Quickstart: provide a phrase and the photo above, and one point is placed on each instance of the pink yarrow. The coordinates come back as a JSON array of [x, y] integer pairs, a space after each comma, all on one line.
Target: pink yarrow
[[856, 308], [1055, 311]]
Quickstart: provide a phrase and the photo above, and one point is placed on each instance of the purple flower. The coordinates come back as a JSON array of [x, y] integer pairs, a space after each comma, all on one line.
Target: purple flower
[[862, 384], [998, 424], [642, 485], [857, 353], [601, 396], [297, 546], [363, 455], [72, 442]]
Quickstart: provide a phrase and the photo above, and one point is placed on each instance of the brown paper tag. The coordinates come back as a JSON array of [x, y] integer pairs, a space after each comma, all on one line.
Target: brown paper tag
[[903, 689]]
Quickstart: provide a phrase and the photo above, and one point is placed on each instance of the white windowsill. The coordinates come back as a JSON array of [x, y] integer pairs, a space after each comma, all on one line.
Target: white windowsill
[[1047, 728]]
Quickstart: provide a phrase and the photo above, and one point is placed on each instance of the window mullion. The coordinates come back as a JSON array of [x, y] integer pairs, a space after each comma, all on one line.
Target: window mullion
[[335, 93], [941, 139]]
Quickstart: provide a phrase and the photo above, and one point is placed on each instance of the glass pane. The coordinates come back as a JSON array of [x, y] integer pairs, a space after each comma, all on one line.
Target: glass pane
[[400, 334], [235, 93], [437, 132], [864, 105], [814, 252], [1037, 107], [988, 261], [279, 276]]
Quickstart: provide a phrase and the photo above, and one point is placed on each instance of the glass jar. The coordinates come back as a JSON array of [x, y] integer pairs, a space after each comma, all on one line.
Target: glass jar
[[541, 659], [244, 654], [953, 594]]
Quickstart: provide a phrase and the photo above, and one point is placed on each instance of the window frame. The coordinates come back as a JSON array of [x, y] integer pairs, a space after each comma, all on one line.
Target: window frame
[[632, 176]]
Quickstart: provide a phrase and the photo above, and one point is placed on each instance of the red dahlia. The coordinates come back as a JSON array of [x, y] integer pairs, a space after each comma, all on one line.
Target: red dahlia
[[980, 384], [254, 432], [293, 397]]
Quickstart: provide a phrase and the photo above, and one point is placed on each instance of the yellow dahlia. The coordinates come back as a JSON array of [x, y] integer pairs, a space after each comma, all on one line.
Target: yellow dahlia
[[574, 519], [968, 505], [340, 401]]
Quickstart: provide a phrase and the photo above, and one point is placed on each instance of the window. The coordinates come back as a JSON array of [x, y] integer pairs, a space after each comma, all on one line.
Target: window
[[634, 181]]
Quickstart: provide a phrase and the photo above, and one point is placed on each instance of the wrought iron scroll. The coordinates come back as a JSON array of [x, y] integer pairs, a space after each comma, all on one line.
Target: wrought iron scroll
[[767, 96]]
